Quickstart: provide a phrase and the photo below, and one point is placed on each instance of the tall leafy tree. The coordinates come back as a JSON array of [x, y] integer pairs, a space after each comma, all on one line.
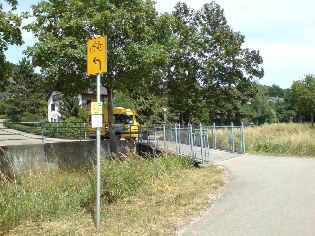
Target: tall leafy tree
[[276, 91], [27, 100], [228, 69], [210, 72], [10, 34], [302, 96], [263, 111], [70, 108], [135, 55], [184, 89]]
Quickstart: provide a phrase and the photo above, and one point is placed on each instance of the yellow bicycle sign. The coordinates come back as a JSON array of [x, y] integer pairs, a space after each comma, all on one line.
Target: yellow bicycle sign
[[97, 56]]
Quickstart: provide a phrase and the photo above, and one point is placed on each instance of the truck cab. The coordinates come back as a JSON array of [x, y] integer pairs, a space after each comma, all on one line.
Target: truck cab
[[127, 124]]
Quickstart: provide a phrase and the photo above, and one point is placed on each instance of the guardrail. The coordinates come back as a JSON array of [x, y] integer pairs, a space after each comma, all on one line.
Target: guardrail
[[42, 130], [196, 141], [191, 140]]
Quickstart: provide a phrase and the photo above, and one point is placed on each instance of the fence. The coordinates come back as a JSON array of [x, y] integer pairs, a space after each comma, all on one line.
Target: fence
[[196, 141], [42, 130], [193, 141]]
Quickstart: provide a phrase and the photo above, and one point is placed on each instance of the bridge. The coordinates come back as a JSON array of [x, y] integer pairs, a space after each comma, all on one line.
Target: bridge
[[21, 151], [199, 143]]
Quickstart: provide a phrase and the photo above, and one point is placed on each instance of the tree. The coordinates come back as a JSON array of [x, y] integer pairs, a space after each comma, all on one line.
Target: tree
[[10, 33], [184, 90], [136, 56], [26, 95], [263, 112], [210, 72], [276, 91], [69, 107], [228, 71], [302, 96]]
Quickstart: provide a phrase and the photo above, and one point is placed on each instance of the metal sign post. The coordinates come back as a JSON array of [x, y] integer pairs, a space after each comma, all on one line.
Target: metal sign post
[[97, 65], [98, 151]]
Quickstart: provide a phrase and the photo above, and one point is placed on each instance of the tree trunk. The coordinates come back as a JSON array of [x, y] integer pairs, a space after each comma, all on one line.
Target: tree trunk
[[112, 141], [312, 119]]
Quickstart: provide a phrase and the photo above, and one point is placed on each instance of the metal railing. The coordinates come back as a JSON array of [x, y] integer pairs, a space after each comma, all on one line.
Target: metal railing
[[42, 130], [196, 141], [191, 140]]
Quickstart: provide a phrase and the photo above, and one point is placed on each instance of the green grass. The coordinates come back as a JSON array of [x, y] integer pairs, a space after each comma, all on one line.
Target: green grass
[[138, 196], [42, 196], [281, 139]]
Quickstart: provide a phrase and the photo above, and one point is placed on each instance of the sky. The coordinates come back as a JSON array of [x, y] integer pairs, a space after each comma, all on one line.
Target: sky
[[282, 30]]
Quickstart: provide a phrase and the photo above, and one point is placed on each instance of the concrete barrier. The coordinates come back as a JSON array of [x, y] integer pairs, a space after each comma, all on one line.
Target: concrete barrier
[[17, 159]]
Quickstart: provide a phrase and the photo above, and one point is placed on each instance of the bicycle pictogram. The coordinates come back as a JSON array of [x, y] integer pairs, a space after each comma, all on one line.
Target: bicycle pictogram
[[97, 46]]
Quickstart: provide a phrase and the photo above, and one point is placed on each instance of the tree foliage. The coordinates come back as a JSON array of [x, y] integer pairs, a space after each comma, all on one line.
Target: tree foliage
[[210, 73], [69, 107], [10, 33], [302, 96], [135, 52], [27, 100]]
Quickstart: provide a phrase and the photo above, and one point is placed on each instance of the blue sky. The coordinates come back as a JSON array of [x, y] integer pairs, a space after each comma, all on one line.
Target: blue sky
[[282, 30]]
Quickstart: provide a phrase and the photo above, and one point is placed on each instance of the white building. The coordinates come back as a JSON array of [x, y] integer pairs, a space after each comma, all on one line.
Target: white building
[[84, 101]]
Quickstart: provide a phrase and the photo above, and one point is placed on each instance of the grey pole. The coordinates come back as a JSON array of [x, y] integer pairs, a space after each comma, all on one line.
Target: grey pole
[[98, 150], [243, 138], [208, 144], [232, 137], [80, 131], [148, 138], [189, 141], [155, 140], [201, 144], [214, 137], [192, 143], [176, 140], [43, 137], [164, 134], [179, 139]]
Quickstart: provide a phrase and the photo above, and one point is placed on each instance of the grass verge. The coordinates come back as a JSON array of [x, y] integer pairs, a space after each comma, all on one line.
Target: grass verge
[[272, 139], [139, 197], [281, 140]]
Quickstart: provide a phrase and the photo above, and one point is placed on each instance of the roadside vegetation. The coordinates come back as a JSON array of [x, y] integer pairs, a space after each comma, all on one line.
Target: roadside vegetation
[[282, 139], [139, 197]]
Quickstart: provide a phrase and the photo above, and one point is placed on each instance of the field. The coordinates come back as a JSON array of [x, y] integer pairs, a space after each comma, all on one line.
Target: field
[[282, 139], [139, 197], [274, 139]]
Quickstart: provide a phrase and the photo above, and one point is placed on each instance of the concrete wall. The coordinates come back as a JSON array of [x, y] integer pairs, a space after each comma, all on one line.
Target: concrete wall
[[18, 159]]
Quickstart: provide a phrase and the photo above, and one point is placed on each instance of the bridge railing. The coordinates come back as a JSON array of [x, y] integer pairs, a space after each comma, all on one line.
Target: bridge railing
[[41, 130], [196, 141]]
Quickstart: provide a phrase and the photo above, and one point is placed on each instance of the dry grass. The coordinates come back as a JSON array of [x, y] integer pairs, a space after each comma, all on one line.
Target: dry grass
[[272, 139], [281, 139], [164, 204]]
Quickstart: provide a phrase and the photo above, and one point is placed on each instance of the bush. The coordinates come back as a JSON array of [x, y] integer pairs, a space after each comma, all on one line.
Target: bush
[[31, 118], [2, 107]]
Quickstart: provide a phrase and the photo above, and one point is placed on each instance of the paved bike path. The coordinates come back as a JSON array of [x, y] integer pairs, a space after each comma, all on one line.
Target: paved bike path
[[264, 196]]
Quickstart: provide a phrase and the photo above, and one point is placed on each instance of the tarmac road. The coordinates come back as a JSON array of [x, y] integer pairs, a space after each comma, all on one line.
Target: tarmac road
[[265, 196]]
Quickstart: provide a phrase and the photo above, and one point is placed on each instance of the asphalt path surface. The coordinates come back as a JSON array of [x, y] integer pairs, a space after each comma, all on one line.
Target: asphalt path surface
[[264, 196]]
